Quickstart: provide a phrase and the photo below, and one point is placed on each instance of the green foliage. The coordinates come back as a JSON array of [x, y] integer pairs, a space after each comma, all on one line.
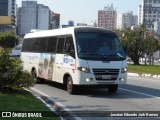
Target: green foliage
[[11, 74], [151, 44], [138, 42], [8, 39]]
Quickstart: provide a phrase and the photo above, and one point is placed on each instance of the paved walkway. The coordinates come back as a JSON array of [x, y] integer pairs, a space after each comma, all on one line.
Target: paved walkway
[[144, 75]]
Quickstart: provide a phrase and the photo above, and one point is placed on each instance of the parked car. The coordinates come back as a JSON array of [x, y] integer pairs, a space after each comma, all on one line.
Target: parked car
[[16, 51]]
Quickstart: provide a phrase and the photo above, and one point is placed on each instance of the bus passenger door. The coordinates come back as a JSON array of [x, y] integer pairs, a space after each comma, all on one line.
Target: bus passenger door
[[69, 55]]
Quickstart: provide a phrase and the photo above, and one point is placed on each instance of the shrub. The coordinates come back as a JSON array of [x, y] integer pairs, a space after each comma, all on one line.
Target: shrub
[[11, 74], [8, 39]]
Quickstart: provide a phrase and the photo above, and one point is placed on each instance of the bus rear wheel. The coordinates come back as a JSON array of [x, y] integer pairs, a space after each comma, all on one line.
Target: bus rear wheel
[[37, 79], [113, 88], [70, 87]]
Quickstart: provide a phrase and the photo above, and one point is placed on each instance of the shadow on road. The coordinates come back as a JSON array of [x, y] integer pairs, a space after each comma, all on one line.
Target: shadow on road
[[103, 93]]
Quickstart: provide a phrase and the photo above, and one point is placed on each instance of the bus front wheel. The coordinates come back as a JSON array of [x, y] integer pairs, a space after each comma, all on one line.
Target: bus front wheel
[[70, 87], [112, 88]]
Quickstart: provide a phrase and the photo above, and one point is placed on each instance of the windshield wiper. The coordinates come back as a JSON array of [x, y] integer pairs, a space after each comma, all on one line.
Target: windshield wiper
[[92, 54], [119, 55], [105, 56]]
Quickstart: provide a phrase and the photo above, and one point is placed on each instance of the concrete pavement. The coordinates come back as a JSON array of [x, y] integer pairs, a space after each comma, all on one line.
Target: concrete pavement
[[143, 75]]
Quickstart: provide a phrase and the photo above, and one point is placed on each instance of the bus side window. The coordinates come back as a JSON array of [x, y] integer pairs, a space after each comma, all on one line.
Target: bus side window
[[35, 45], [30, 45], [69, 45], [52, 43], [43, 44], [60, 45], [25, 45]]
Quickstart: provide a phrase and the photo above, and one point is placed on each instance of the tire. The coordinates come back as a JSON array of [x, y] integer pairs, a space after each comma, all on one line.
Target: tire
[[70, 87], [113, 88], [37, 79]]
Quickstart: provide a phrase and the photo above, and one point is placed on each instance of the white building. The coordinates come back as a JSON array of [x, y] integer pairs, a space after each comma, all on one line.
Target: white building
[[135, 20], [28, 18], [43, 17], [120, 21], [157, 27], [126, 20]]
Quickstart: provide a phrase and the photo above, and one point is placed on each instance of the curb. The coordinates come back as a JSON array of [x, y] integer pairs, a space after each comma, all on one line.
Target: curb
[[54, 105], [44, 101], [143, 75]]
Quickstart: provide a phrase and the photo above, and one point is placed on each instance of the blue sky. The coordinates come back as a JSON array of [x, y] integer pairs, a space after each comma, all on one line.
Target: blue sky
[[85, 11]]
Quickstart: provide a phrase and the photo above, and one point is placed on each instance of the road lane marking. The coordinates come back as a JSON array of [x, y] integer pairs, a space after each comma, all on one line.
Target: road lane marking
[[140, 93], [57, 103]]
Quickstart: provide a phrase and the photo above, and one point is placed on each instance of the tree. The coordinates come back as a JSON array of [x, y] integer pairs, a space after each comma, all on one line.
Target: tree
[[138, 42], [133, 40], [151, 44], [8, 39]]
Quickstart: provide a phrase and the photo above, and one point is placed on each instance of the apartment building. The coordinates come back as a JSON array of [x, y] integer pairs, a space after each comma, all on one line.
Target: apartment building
[[149, 12], [107, 17], [8, 9], [55, 20], [126, 20]]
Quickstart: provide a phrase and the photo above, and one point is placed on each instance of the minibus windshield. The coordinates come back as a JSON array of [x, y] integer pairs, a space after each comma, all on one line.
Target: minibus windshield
[[101, 46]]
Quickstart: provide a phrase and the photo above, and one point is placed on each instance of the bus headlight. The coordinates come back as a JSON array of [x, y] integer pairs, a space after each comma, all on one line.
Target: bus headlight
[[124, 70], [83, 69]]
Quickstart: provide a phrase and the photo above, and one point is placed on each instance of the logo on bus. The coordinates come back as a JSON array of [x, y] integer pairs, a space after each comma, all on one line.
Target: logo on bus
[[65, 60]]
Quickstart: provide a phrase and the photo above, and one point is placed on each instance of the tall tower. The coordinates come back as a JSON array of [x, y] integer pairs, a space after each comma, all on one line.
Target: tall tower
[[33, 16], [107, 18], [43, 17], [28, 18]]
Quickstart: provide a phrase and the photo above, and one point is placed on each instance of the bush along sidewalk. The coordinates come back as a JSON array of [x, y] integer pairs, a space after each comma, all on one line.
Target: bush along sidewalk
[[13, 97], [11, 74]]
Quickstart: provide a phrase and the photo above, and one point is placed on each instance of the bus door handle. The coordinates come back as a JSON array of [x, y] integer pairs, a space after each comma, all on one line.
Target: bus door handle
[[59, 63]]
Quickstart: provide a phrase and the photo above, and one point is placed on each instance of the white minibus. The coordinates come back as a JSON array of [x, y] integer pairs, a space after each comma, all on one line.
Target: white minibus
[[76, 57]]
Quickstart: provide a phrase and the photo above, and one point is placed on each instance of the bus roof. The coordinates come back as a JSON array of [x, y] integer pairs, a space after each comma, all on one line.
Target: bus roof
[[66, 31]]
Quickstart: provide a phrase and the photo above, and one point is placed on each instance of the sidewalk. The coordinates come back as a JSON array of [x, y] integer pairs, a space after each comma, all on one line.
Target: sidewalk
[[144, 75]]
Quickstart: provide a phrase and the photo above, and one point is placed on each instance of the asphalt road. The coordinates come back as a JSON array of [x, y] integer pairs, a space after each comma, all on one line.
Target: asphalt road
[[139, 94]]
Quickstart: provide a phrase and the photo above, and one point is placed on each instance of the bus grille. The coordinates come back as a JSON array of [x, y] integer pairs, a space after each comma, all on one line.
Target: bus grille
[[106, 74]]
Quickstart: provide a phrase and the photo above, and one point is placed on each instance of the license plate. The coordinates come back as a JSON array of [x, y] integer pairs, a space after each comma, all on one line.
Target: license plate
[[106, 76]]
